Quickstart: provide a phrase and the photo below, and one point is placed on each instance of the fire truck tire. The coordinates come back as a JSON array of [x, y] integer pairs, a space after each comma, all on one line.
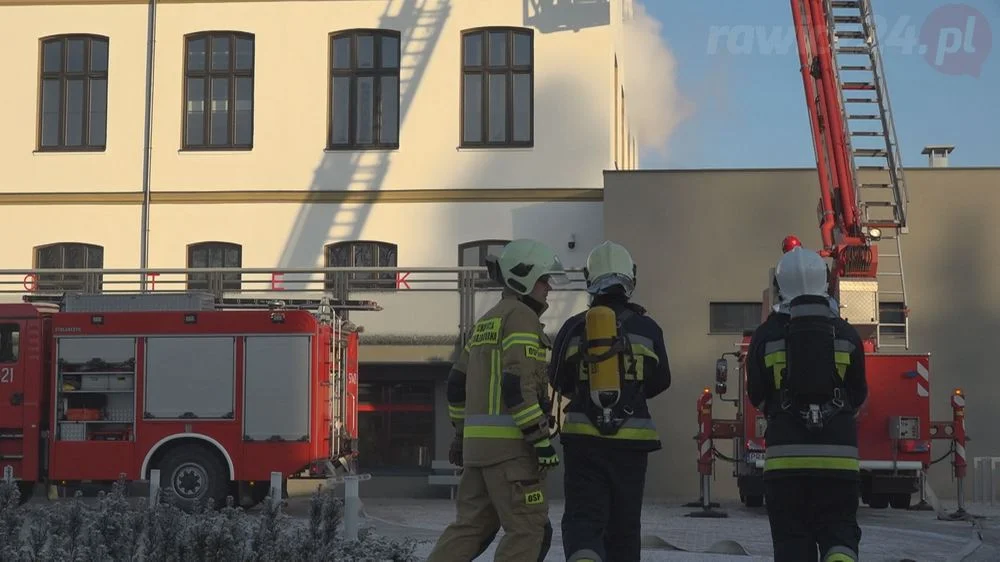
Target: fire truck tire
[[900, 501], [193, 474], [878, 501]]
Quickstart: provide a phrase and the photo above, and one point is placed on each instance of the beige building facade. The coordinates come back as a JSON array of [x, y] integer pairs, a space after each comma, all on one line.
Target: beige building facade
[[704, 240]]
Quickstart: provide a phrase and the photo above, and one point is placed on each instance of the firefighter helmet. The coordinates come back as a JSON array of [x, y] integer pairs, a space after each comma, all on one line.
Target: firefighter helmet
[[524, 262], [802, 272], [610, 265], [789, 243]]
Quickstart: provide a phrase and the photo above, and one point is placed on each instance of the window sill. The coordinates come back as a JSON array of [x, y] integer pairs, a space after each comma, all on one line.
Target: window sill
[[70, 151], [494, 148], [215, 151], [376, 150]]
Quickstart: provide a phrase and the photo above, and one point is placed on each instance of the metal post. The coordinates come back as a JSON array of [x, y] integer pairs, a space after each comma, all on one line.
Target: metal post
[[154, 487], [958, 463], [276, 488], [922, 505], [352, 507]]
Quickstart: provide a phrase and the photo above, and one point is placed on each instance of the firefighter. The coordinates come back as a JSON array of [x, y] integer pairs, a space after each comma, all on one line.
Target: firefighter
[[607, 361], [498, 405], [806, 373]]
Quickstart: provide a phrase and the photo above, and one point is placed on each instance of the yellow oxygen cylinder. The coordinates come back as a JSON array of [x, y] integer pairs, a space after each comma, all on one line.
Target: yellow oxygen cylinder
[[605, 382]]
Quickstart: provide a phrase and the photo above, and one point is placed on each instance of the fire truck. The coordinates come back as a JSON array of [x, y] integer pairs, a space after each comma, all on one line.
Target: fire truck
[[216, 394], [863, 202]]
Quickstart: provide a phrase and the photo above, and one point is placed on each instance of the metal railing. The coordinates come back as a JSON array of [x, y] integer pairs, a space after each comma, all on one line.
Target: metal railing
[[449, 297]]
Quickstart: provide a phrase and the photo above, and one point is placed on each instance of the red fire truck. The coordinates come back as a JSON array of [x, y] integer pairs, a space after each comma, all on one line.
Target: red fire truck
[[93, 387], [863, 202]]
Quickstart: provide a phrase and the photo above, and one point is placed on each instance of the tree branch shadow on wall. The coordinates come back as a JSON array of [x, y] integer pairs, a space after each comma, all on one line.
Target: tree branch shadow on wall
[[550, 16], [317, 224]]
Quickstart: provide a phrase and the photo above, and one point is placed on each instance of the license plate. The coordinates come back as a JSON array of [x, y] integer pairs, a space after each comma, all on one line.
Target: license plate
[[754, 456]]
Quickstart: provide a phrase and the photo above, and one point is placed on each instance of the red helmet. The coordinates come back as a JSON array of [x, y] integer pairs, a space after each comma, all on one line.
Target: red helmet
[[789, 243]]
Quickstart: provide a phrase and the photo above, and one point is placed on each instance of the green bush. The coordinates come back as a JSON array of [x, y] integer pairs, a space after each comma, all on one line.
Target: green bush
[[112, 530]]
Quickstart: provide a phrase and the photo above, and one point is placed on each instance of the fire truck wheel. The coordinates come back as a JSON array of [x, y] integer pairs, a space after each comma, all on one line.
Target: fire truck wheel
[[900, 501], [192, 474], [878, 501]]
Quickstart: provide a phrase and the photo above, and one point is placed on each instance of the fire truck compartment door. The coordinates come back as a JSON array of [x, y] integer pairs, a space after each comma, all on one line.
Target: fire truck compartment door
[[277, 387], [11, 374], [190, 377]]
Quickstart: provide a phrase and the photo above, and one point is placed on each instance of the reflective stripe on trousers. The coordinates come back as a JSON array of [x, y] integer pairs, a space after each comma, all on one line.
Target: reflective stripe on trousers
[[823, 457], [638, 429], [484, 426], [840, 554], [585, 555]]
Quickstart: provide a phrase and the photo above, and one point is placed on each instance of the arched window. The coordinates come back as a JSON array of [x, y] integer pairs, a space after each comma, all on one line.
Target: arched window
[[69, 255], [361, 253], [73, 93], [215, 255], [218, 90], [497, 87], [364, 89]]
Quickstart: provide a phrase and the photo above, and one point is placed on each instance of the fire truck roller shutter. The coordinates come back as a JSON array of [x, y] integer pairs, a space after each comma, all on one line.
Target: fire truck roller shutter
[[193, 469]]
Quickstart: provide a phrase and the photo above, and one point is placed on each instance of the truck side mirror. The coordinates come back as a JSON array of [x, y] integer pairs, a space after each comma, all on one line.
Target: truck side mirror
[[721, 375]]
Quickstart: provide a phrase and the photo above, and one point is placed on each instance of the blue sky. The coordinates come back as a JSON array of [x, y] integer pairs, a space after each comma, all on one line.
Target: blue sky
[[749, 108]]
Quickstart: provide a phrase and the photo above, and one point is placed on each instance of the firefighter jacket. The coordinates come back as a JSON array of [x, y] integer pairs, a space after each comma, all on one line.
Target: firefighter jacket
[[790, 447], [497, 388], [647, 374]]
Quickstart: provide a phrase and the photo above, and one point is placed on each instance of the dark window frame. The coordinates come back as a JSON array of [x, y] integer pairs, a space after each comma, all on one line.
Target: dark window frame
[[509, 69], [64, 75], [57, 282], [214, 282], [377, 71], [10, 342], [482, 279], [749, 310], [208, 74], [361, 281]]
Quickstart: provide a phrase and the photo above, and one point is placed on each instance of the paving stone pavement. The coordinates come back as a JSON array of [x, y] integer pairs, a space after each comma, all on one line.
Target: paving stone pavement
[[888, 535]]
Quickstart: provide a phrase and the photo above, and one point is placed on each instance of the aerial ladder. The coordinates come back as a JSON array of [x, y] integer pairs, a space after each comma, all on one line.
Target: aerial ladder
[[863, 202], [863, 190]]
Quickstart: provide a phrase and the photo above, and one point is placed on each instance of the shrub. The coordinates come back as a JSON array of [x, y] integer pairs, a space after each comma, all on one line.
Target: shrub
[[113, 530]]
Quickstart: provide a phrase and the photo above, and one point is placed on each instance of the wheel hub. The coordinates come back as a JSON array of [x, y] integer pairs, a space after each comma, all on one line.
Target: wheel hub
[[190, 481]]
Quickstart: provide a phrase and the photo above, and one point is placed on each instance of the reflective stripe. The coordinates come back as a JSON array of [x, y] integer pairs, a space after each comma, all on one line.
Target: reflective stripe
[[456, 412], [840, 553], [494, 405], [637, 429], [520, 338], [775, 357], [527, 416], [584, 555], [817, 457], [491, 427]]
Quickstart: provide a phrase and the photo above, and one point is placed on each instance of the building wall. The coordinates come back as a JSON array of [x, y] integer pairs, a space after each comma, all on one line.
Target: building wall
[[708, 236]]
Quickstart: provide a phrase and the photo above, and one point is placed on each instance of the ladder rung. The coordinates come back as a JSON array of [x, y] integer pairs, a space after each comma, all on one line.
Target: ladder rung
[[851, 34], [879, 204], [853, 67], [861, 100], [854, 50], [876, 185], [864, 116], [11, 457], [845, 4], [881, 255], [869, 152], [867, 134], [858, 86]]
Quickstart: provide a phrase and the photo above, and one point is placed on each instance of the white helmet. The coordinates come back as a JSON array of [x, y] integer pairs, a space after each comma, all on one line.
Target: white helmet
[[802, 272], [523, 262], [609, 265]]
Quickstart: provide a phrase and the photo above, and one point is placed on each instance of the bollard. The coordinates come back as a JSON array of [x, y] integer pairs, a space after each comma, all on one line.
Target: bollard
[[958, 462], [923, 505], [352, 507], [706, 457], [154, 487], [276, 488]]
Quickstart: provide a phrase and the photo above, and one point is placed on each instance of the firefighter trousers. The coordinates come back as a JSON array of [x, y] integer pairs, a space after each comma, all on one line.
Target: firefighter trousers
[[807, 512], [603, 489], [510, 495]]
